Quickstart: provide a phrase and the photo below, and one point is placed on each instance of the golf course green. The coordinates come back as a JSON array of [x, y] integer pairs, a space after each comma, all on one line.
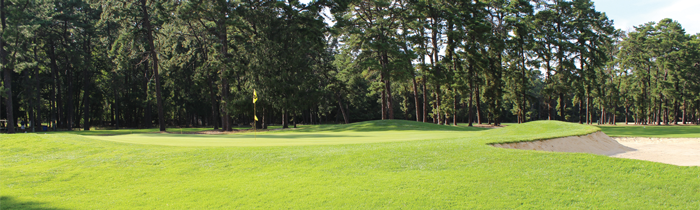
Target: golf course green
[[370, 165], [360, 133]]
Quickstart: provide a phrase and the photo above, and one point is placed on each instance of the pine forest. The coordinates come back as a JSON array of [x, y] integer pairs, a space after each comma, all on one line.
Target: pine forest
[[111, 64]]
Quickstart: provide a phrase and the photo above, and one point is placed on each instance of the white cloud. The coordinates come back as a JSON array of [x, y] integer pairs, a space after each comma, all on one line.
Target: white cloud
[[683, 11], [629, 13]]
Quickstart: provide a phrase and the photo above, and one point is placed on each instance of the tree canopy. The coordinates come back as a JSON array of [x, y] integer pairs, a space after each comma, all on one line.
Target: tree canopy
[[113, 64]]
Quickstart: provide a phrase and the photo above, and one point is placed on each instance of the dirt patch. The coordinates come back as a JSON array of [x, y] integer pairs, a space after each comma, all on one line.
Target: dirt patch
[[676, 151]]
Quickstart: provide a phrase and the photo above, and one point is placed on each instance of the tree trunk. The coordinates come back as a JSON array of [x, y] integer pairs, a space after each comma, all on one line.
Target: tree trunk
[[425, 101], [549, 108], [154, 55], [415, 96], [614, 113], [214, 104], [454, 110], [588, 107], [626, 114], [8, 73], [658, 114], [116, 103], [56, 90], [52, 103], [580, 111], [147, 120], [437, 105], [383, 101], [36, 122], [471, 113], [69, 104], [285, 119], [346, 118], [30, 105], [226, 118], [562, 107], [477, 102], [264, 123], [675, 112], [389, 99], [86, 86], [684, 111], [387, 83]]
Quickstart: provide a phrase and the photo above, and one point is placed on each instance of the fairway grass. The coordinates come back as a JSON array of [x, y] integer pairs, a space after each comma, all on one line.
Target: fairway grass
[[67, 171], [654, 131]]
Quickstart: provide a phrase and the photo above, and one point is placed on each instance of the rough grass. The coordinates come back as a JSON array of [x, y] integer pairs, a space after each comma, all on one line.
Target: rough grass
[[685, 131], [66, 171]]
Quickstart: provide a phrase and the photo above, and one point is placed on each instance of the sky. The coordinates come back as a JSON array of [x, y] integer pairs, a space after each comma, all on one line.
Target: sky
[[629, 13]]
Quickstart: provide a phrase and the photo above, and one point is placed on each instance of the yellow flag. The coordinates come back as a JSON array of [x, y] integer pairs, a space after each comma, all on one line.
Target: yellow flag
[[255, 98], [256, 118]]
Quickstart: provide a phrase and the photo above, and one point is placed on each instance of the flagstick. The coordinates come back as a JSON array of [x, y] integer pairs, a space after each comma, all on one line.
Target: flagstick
[[255, 123], [255, 117]]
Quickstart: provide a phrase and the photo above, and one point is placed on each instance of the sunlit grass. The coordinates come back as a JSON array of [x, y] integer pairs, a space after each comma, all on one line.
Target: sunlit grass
[[685, 131], [357, 133], [66, 171]]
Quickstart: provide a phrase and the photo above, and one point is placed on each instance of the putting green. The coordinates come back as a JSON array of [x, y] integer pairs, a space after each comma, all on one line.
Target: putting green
[[282, 138], [356, 133]]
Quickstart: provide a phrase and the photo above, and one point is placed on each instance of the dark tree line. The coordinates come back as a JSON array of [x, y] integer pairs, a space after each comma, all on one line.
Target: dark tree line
[[105, 63]]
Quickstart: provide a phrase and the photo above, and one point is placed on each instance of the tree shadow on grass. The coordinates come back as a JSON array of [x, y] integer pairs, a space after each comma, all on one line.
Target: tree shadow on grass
[[7, 202]]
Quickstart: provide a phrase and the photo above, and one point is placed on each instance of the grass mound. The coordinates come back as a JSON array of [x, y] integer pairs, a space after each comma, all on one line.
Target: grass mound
[[538, 130], [386, 125], [65, 171]]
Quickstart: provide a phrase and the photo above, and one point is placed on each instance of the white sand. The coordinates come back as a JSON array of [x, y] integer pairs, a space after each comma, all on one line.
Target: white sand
[[676, 151]]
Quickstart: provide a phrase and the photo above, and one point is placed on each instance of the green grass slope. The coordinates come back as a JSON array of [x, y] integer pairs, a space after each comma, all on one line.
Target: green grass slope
[[537, 130], [385, 125], [65, 171]]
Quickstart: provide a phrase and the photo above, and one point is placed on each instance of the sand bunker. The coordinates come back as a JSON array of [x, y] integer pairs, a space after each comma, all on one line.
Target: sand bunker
[[682, 152], [596, 143], [676, 151]]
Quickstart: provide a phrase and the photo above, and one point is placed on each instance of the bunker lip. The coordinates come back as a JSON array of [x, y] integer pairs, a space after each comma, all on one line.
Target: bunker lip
[[594, 143], [674, 151]]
